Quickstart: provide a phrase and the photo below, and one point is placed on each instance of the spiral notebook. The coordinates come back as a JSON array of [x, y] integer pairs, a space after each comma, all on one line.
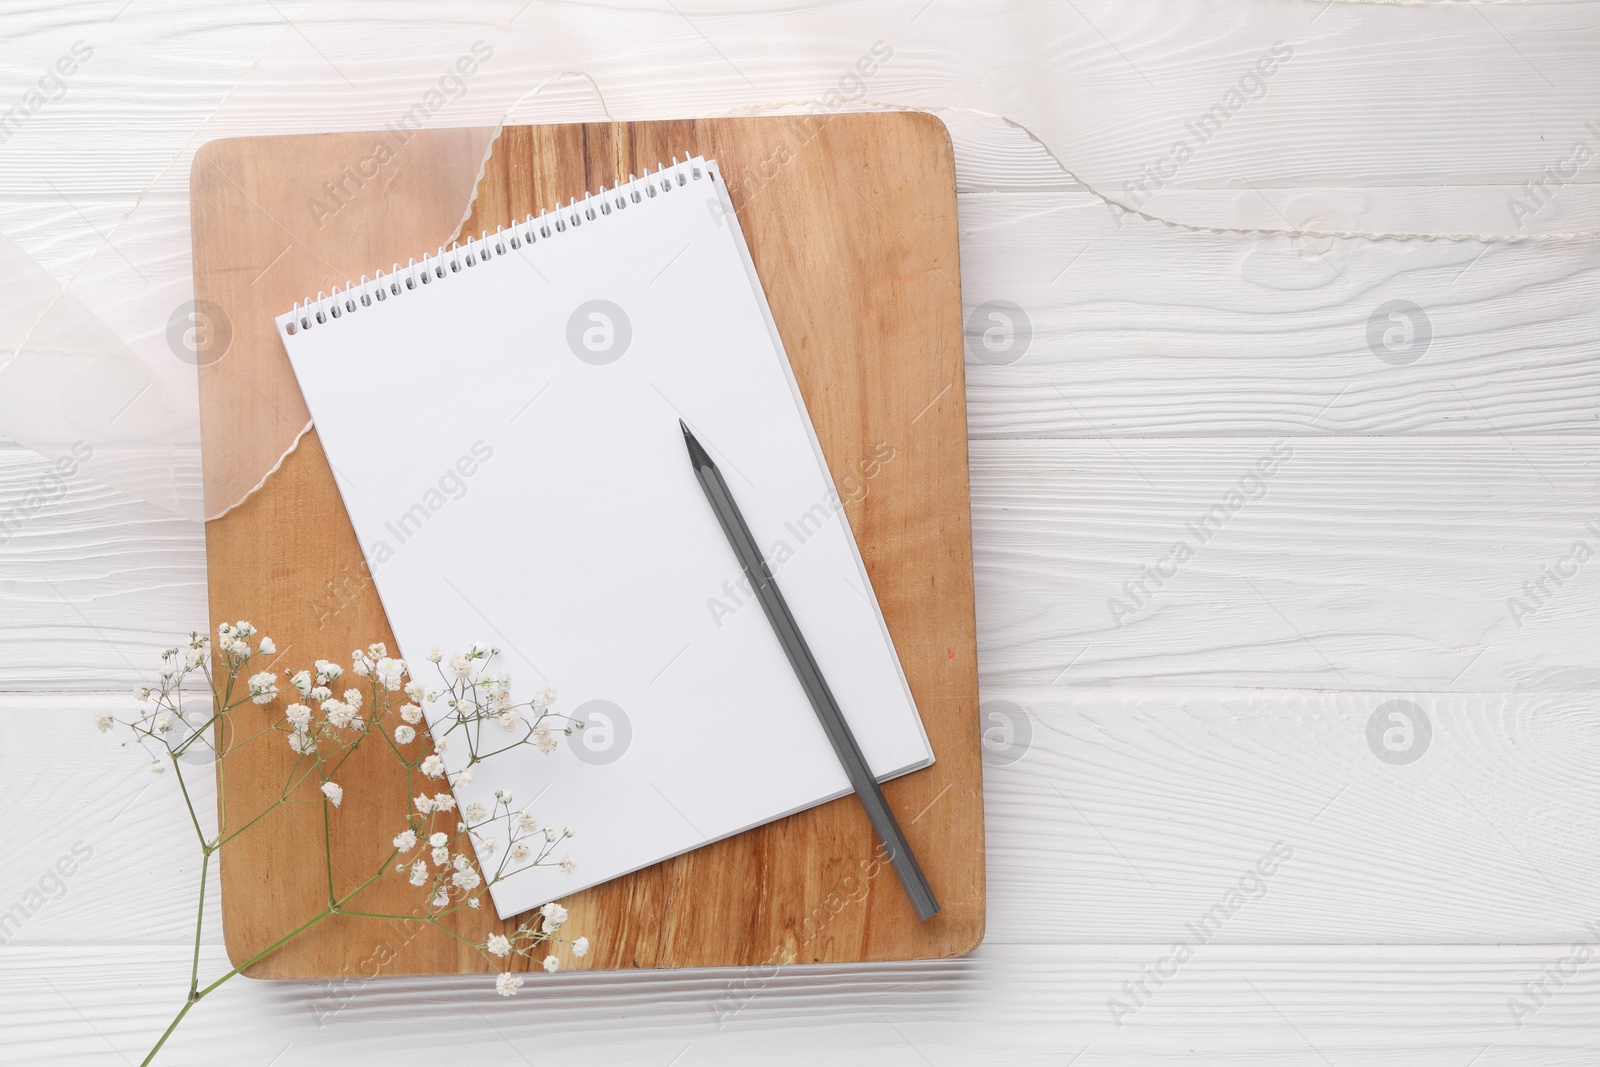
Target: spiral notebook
[[502, 422]]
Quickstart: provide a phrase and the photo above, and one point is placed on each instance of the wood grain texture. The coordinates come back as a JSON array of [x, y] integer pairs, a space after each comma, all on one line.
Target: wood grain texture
[[93, 583], [851, 224], [1268, 335], [1148, 805], [277, 220], [1017, 1006], [1109, 87], [1353, 563]]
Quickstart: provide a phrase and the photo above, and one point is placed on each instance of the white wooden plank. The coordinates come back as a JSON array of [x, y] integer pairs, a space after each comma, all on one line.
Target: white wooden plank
[[997, 153], [1227, 1006], [1120, 327], [1108, 87], [1335, 106], [1391, 564], [1118, 815], [114, 857], [93, 584]]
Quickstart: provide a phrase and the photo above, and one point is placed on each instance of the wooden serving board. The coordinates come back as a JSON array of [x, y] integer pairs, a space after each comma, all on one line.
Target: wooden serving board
[[851, 220]]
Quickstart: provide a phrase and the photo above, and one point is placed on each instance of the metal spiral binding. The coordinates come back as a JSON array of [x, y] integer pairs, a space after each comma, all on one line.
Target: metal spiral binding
[[486, 246]]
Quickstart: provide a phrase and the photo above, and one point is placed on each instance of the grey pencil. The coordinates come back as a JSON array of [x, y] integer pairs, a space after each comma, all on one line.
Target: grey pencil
[[811, 679]]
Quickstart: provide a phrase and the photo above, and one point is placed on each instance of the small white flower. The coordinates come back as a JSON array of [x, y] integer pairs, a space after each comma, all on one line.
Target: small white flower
[[498, 945], [547, 744], [503, 796], [141, 693], [488, 845], [433, 766], [359, 663], [568, 864], [390, 672], [244, 629], [263, 687], [415, 691], [439, 856], [406, 840], [460, 665], [473, 903], [163, 723], [476, 812], [411, 714], [353, 698], [299, 742], [466, 777], [580, 947], [104, 721], [419, 873], [507, 984], [549, 833], [551, 964], [298, 714], [424, 803], [568, 832], [267, 647], [301, 680], [435, 840], [547, 696], [519, 852], [526, 821], [327, 671], [444, 802], [554, 915], [467, 879], [340, 714], [157, 767], [404, 734], [334, 792], [435, 654], [459, 862], [510, 720], [322, 694], [441, 898]]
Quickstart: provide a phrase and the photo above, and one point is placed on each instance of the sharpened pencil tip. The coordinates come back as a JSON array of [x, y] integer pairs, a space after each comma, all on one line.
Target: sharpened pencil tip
[[697, 451]]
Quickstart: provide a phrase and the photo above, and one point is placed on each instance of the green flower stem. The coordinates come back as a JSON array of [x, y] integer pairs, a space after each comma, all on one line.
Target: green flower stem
[[327, 851], [224, 839], [199, 921], [197, 995], [195, 819]]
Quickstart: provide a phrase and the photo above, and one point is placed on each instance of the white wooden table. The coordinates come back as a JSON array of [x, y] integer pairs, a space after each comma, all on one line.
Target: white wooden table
[[1151, 736]]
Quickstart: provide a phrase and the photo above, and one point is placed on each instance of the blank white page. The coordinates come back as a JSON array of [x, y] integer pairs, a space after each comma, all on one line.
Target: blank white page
[[505, 438]]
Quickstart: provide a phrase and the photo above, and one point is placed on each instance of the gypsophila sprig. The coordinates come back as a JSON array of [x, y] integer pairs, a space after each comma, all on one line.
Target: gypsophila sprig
[[450, 858]]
